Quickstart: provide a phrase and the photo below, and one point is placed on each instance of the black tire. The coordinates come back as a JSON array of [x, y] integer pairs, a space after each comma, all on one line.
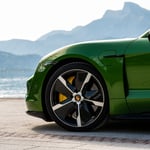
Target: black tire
[[76, 97]]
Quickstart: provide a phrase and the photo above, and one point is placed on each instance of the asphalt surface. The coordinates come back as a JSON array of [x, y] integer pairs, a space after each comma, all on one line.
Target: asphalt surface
[[19, 131]]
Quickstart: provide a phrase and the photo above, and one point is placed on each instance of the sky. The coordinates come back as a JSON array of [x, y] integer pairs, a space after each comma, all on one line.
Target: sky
[[30, 19]]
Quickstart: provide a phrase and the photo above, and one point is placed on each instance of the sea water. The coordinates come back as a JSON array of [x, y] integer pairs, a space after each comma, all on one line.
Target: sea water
[[13, 83], [13, 87]]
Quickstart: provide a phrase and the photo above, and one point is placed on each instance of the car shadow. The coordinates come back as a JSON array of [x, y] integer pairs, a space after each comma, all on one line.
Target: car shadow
[[135, 130]]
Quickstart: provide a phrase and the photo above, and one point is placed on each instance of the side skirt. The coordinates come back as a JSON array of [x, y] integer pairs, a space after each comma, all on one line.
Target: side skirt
[[142, 116]]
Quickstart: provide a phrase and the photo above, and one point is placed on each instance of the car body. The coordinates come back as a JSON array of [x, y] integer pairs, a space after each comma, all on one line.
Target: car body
[[80, 86]]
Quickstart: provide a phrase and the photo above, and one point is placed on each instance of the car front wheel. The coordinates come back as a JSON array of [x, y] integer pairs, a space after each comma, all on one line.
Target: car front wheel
[[76, 97]]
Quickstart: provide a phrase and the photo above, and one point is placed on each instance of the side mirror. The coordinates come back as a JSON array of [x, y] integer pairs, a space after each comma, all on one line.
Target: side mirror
[[149, 36]]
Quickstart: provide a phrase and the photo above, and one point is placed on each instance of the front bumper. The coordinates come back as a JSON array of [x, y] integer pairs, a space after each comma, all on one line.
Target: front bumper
[[37, 114], [34, 98]]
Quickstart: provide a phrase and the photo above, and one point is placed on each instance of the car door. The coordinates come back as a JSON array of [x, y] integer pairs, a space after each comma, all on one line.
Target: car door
[[137, 65]]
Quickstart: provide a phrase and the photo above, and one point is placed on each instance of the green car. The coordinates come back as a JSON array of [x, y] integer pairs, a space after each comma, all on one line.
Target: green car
[[81, 86]]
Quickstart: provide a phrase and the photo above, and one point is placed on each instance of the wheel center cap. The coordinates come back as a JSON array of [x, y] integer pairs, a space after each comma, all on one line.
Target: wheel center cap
[[77, 98]]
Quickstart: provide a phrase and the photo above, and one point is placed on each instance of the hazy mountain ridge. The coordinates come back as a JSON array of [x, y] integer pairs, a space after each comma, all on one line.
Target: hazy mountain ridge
[[20, 47], [131, 21], [17, 62]]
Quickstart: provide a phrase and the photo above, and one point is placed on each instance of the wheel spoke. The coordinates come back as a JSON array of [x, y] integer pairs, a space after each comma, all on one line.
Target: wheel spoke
[[79, 117], [100, 104], [65, 112], [91, 94], [86, 112], [58, 106], [86, 80], [63, 87], [79, 78]]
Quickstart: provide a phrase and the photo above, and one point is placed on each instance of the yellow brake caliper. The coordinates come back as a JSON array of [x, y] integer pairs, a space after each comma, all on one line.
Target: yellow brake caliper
[[62, 97]]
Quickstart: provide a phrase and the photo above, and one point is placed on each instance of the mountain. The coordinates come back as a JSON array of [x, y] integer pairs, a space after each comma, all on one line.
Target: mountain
[[17, 62], [131, 21], [21, 47]]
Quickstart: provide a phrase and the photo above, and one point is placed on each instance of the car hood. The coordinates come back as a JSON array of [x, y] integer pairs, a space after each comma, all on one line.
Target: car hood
[[119, 45]]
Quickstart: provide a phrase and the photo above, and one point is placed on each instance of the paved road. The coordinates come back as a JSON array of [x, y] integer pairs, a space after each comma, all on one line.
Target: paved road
[[19, 131]]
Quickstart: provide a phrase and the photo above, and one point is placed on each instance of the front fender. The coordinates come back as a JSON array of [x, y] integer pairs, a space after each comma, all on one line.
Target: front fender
[[113, 72]]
